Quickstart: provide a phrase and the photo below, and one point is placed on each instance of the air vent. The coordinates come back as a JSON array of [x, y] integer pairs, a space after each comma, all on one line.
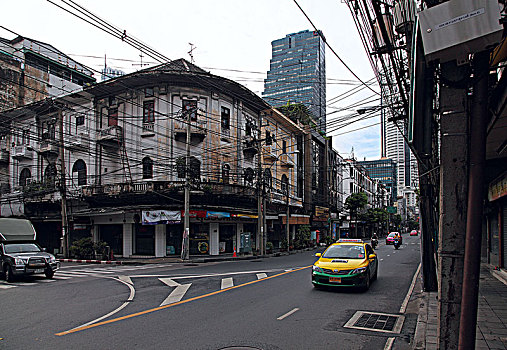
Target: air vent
[[377, 322]]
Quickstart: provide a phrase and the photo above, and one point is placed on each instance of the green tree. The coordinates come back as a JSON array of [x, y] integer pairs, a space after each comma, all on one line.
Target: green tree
[[355, 203]]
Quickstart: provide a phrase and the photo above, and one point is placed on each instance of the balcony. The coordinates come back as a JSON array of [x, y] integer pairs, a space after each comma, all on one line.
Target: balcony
[[286, 161], [225, 135], [4, 156], [148, 129], [48, 147], [111, 136], [197, 130], [21, 152], [79, 142], [268, 151], [250, 146]]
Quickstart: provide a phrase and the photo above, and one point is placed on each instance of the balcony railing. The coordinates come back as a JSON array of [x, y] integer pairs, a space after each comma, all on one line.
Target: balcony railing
[[286, 161], [49, 146], [110, 136], [268, 151], [21, 152], [79, 142], [197, 129]]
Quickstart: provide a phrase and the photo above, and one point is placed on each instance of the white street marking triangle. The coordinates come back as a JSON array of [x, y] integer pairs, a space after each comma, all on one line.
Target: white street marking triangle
[[261, 276], [169, 282], [227, 283], [177, 294]]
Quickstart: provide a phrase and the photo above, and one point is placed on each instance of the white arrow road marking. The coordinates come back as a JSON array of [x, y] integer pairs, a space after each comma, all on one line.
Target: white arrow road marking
[[261, 276], [178, 292], [227, 283], [169, 282], [287, 314], [126, 279]]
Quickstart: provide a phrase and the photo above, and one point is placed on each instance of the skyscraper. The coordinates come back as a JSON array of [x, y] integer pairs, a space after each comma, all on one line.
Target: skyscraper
[[297, 73]]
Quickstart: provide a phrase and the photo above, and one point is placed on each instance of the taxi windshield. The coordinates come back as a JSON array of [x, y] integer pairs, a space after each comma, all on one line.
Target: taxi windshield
[[344, 252]]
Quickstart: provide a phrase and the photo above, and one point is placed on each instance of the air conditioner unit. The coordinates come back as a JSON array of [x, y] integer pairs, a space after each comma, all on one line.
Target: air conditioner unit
[[456, 28]]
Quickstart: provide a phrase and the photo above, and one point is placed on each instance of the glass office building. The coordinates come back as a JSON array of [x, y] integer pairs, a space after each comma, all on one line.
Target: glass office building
[[297, 74], [384, 170]]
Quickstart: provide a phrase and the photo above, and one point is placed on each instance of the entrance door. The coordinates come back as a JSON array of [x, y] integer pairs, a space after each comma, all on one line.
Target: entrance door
[[113, 236], [145, 240], [227, 235]]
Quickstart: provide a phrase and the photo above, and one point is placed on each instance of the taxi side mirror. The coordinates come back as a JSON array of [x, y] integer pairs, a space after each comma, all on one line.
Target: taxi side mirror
[[318, 254], [371, 256]]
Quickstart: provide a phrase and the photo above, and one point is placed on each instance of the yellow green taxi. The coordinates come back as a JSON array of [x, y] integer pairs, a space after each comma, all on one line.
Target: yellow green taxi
[[346, 263]]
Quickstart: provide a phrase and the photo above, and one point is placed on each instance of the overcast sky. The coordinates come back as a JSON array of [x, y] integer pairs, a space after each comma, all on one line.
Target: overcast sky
[[232, 38]]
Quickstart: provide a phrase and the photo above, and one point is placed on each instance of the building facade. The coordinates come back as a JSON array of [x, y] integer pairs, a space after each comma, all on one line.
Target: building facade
[[385, 171], [297, 73], [115, 157]]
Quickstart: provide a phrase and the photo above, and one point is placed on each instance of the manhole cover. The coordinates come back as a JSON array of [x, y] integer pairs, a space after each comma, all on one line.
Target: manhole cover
[[377, 322]]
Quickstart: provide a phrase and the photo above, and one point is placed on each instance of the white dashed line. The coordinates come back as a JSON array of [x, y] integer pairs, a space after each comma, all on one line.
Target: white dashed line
[[287, 314]]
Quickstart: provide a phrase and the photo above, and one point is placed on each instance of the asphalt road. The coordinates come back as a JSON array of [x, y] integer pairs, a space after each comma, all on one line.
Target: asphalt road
[[265, 304]]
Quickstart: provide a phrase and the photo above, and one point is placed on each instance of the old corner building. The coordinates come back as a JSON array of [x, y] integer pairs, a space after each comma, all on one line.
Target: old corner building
[[122, 168]]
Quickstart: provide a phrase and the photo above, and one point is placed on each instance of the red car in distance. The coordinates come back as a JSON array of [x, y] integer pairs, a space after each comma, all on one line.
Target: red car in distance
[[414, 233], [390, 238]]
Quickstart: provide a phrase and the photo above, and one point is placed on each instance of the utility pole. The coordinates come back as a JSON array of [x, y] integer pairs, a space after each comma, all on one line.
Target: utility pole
[[260, 197], [287, 227], [63, 191], [185, 251]]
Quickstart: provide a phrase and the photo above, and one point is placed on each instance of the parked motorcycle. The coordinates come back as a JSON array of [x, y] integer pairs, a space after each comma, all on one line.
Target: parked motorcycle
[[374, 243], [396, 243]]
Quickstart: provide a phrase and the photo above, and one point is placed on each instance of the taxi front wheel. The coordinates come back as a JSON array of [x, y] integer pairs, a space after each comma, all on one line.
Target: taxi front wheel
[[367, 282]]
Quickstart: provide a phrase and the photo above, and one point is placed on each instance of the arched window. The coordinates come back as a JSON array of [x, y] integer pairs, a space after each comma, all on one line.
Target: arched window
[[249, 176], [285, 183], [24, 177], [79, 167], [195, 169], [147, 168], [226, 170], [50, 174]]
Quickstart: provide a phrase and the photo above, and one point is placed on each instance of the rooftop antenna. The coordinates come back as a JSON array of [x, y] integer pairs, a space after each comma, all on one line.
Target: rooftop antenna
[[191, 54], [141, 64]]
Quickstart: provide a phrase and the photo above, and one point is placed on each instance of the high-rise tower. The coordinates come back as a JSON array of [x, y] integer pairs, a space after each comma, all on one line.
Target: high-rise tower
[[297, 73]]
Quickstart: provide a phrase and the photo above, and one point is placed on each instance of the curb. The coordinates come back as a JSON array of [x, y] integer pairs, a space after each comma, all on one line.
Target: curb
[[109, 262]]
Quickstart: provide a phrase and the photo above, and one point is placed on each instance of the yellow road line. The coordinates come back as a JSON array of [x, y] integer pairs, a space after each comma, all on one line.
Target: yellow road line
[[78, 329]]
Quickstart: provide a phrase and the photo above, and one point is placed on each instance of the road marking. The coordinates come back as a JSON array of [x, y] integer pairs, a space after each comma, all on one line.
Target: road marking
[[227, 283], [47, 281], [388, 254], [210, 274], [410, 290], [177, 294], [61, 277], [261, 276], [287, 314], [169, 282], [381, 259], [114, 320], [126, 279], [130, 298], [6, 286], [403, 307], [389, 343]]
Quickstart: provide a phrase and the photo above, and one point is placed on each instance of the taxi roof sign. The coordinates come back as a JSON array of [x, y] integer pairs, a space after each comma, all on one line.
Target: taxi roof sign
[[349, 241]]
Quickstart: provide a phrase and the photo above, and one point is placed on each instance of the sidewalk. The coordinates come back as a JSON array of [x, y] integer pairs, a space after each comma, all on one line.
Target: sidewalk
[[491, 314], [194, 259]]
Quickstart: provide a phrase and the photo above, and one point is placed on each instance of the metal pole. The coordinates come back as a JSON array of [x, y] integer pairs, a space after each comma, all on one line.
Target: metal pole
[[185, 254], [287, 227], [471, 269], [260, 195], [63, 191]]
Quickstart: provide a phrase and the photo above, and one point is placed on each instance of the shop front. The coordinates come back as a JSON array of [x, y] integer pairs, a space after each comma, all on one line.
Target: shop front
[[112, 235], [497, 222]]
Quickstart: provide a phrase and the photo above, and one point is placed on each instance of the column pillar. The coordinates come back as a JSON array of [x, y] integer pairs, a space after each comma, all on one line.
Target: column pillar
[[160, 239], [127, 240]]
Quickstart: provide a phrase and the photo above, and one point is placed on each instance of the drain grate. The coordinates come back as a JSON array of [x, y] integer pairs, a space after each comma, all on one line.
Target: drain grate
[[377, 322]]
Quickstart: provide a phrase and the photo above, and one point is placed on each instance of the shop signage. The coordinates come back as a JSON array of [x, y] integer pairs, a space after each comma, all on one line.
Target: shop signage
[[497, 188], [155, 217], [194, 213], [217, 215], [250, 216], [322, 212], [391, 210]]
